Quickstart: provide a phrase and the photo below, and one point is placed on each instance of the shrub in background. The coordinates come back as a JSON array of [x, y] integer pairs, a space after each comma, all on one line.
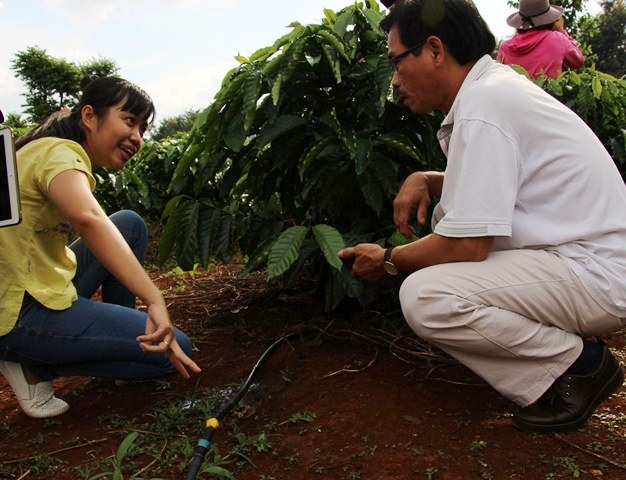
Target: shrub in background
[[142, 184], [303, 150]]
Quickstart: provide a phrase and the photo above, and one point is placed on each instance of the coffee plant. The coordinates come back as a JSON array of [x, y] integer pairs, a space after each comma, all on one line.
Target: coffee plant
[[304, 148], [142, 184], [301, 152]]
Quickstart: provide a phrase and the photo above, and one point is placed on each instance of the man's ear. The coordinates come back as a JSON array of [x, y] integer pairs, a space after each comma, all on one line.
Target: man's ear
[[437, 50]]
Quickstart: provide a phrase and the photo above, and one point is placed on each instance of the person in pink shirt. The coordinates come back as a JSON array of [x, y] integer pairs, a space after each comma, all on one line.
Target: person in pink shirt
[[541, 45]]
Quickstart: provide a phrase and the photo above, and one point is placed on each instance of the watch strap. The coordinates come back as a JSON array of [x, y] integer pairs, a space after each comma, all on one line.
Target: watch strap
[[388, 265]]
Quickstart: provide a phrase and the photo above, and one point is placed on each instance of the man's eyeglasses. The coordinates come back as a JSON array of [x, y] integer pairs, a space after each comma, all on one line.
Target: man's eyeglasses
[[395, 60]]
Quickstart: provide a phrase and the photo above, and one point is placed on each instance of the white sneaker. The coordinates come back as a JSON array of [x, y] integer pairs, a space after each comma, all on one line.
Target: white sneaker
[[37, 401]]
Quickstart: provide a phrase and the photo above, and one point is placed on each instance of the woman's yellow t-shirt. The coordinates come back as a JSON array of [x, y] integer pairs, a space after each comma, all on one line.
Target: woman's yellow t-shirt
[[34, 256]]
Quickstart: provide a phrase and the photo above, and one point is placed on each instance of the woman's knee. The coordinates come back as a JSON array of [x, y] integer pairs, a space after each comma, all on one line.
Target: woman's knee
[[133, 228], [129, 220]]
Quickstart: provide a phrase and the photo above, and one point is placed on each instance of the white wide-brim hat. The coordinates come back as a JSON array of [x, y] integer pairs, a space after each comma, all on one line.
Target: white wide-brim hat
[[534, 13]]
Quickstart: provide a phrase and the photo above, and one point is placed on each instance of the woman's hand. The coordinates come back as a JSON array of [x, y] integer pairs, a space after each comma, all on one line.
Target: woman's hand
[[160, 338], [71, 193]]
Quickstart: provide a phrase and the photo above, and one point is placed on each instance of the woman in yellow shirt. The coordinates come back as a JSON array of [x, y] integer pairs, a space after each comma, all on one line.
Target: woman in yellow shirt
[[49, 327]]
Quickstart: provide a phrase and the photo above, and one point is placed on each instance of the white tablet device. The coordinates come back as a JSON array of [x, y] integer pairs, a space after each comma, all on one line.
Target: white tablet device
[[10, 211]]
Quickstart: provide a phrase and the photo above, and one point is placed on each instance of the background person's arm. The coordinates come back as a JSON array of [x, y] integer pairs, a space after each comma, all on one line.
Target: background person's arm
[[572, 56]]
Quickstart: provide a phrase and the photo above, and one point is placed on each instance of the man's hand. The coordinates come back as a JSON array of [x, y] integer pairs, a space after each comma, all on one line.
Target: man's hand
[[366, 261], [415, 196]]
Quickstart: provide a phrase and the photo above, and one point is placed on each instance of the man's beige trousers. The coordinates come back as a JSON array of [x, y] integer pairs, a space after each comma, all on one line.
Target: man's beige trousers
[[516, 319]]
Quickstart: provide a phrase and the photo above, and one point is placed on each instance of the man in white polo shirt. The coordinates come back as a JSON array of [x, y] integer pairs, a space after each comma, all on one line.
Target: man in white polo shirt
[[527, 259]]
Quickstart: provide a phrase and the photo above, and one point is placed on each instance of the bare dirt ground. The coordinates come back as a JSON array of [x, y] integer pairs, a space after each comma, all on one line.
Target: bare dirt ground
[[355, 398]]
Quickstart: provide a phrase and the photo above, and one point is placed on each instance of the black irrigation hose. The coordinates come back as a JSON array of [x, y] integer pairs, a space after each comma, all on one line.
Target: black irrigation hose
[[204, 444]]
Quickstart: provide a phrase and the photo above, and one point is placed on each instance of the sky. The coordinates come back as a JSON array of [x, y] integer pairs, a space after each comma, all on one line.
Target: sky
[[177, 50]]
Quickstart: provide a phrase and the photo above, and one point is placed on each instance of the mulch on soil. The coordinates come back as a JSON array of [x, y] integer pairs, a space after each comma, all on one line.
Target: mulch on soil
[[382, 405]]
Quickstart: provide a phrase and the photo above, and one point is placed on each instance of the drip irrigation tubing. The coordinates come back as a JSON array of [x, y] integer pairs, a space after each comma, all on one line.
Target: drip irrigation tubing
[[204, 443]]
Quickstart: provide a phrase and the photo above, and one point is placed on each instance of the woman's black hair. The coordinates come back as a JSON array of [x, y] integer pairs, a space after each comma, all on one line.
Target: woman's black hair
[[457, 23], [100, 93]]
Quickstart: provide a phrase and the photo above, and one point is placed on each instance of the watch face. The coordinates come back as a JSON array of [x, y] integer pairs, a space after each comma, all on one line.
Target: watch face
[[391, 269]]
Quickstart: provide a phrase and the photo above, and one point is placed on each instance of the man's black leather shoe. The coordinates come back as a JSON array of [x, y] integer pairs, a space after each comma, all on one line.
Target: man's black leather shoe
[[571, 399]]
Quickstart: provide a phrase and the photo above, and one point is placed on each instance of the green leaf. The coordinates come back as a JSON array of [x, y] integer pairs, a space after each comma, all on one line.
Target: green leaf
[[293, 56], [251, 90], [231, 87], [168, 235], [330, 241], [262, 54], [362, 154], [331, 38], [330, 15], [312, 154], [383, 73], [397, 238], [278, 83], [373, 193], [333, 61], [224, 237], [217, 470], [186, 238], [343, 20], [373, 19], [124, 447], [278, 127], [596, 87], [401, 144], [259, 256], [235, 135], [285, 251], [208, 227]]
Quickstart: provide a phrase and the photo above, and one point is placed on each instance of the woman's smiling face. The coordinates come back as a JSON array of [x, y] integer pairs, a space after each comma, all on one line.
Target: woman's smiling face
[[111, 140]]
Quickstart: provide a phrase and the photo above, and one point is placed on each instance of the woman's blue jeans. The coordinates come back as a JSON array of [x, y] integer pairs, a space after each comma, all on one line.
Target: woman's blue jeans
[[91, 338]]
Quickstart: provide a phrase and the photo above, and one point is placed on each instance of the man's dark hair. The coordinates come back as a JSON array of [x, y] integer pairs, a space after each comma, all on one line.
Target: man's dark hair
[[456, 23]]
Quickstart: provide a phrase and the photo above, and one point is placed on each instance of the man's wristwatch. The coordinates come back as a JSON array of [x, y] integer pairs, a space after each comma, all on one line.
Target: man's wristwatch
[[388, 265]]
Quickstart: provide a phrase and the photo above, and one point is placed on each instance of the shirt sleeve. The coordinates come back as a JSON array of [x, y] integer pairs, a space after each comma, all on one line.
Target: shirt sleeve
[[481, 182], [60, 158], [572, 56]]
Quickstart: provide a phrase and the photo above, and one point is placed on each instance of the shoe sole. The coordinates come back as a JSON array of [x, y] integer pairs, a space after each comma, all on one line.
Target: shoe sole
[[616, 381]]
